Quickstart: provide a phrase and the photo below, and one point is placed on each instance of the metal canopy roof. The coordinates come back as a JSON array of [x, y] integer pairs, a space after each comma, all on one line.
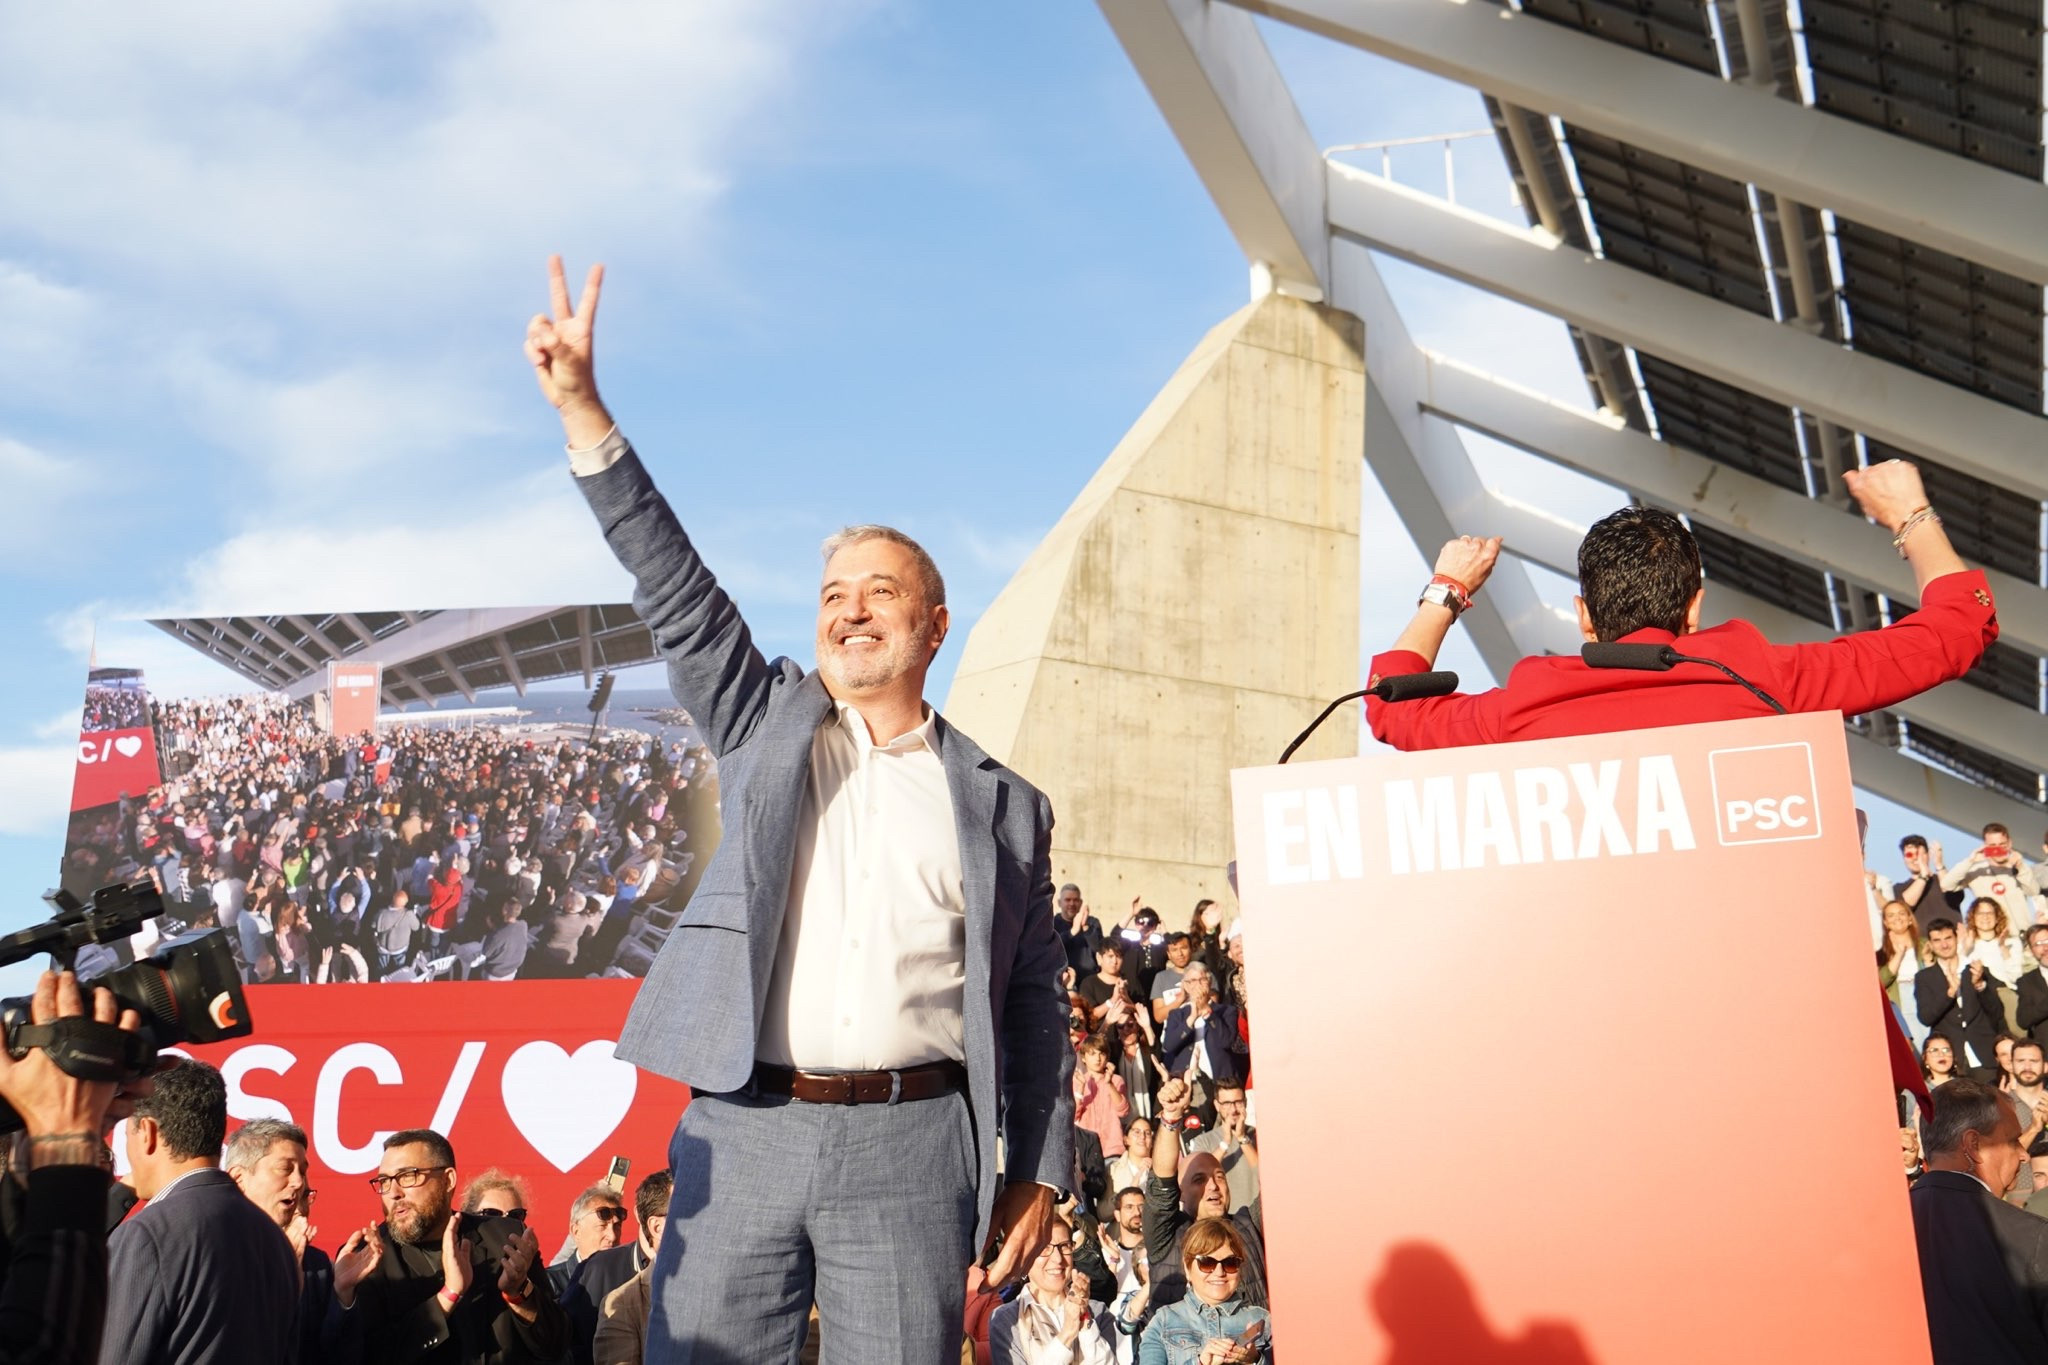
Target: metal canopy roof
[[425, 655], [1962, 76], [1783, 246]]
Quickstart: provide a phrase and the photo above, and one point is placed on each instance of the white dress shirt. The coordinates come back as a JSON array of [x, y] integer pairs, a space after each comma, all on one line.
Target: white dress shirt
[[871, 969], [1026, 1332]]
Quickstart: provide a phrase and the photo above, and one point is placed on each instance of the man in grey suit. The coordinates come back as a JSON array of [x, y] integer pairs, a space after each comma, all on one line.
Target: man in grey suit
[[200, 1276], [864, 990]]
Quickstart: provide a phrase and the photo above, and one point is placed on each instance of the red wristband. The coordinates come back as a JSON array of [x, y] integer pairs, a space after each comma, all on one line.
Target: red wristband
[[517, 1299], [1464, 593]]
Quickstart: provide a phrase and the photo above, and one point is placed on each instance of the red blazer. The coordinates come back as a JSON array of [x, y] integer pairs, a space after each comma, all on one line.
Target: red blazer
[[1557, 695]]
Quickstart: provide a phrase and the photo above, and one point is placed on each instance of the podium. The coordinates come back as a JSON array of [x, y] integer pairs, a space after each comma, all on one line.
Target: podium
[[1571, 1051]]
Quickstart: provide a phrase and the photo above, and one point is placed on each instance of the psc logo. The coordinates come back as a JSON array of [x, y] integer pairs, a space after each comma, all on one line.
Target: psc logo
[[1764, 794]]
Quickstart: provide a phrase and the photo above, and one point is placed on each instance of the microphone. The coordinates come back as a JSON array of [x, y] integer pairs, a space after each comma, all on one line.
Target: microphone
[[1660, 659], [1648, 658], [1397, 687], [1414, 686]]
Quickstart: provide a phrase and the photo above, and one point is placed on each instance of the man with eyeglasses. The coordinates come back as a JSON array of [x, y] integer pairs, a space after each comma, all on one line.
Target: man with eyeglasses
[[420, 1288]]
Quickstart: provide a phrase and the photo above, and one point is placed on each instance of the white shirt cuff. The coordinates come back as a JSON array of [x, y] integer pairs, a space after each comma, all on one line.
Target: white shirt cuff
[[598, 458]]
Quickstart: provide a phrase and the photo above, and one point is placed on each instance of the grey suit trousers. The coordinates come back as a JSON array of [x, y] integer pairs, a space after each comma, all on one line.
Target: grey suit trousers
[[868, 1209]]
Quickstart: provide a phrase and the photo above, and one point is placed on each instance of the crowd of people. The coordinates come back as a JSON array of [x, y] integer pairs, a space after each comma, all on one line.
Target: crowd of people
[[1962, 955], [478, 852]]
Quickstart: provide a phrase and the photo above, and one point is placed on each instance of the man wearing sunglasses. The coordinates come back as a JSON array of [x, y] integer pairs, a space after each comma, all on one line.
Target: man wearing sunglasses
[[595, 1221], [422, 1290]]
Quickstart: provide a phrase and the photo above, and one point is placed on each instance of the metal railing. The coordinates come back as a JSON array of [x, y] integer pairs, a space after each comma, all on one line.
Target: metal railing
[[1387, 146]]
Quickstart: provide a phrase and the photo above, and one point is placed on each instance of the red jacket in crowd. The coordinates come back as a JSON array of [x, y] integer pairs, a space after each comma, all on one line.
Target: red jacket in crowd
[[1558, 695]]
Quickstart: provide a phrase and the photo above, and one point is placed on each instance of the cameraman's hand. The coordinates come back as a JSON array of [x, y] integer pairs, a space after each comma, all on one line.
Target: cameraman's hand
[[51, 1103]]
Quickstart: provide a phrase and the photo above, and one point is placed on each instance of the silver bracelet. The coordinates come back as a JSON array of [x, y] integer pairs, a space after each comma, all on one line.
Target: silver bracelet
[[1907, 527]]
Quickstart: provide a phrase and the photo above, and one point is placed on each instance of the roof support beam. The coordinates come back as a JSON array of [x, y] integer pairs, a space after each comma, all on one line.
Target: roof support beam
[[1731, 128], [1422, 465], [1821, 536], [511, 664], [1933, 792], [1209, 72], [454, 675], [1889, 402], [276, 636], [583, 643], [203, 634]]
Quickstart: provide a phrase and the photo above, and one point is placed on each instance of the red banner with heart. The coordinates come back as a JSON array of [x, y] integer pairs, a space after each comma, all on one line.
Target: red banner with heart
[[516, 1074], [113, 764]]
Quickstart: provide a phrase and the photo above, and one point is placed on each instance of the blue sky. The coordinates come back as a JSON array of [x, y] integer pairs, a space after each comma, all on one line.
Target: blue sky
[[264, 272]]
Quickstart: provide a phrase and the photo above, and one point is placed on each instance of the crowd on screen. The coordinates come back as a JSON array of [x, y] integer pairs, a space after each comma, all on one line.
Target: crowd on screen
[[424, 854], [114, 706]]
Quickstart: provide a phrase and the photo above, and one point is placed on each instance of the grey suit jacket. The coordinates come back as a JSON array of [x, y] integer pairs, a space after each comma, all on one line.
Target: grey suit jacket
[[698, 1016], [200, 1276]]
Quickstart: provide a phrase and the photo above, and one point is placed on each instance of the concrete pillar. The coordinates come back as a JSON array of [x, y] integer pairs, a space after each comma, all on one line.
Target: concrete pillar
[[1195, 607]]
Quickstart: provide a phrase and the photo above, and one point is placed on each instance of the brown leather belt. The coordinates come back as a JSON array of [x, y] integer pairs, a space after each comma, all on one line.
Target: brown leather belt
[[926, 1082]]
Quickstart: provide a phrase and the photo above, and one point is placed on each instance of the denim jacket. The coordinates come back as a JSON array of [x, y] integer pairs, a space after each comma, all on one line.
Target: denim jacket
[[1177, 1332]]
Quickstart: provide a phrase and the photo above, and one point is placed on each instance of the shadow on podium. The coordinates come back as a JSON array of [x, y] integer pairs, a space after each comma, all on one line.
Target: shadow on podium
[[1425, 1303]]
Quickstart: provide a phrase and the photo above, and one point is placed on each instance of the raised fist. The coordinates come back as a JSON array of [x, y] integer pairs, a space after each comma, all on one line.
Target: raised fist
[[1468, 560]]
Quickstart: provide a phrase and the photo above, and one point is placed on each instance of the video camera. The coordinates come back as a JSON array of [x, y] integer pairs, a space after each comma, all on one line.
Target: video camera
[[187, 991]]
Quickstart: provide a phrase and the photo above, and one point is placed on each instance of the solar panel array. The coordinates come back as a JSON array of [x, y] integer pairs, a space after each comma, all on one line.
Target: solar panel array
[[1962, 75]]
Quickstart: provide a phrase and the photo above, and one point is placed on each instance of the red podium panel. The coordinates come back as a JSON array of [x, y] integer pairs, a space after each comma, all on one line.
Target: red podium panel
[[1571, 1051]]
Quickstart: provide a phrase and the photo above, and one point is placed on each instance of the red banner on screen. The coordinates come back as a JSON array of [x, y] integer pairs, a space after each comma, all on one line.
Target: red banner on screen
[[517, 1074], [354, 692], [113, 763]]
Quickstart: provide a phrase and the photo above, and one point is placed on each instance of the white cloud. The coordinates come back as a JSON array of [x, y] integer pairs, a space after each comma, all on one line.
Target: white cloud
[[35, 787]]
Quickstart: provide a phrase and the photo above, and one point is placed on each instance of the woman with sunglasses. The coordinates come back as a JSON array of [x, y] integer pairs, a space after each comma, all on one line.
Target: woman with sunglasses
[[1213, 1325]]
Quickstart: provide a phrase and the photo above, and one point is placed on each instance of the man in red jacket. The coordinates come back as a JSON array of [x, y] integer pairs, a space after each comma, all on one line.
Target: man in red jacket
[[1640, 583], [1639, 580]]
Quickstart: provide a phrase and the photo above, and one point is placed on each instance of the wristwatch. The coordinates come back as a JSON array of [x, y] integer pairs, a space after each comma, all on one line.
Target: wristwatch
[[1446, 594]]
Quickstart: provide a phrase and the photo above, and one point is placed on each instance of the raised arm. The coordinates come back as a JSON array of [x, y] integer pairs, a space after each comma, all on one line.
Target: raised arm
[[1467, 562], [714, 669], [1942, 640]]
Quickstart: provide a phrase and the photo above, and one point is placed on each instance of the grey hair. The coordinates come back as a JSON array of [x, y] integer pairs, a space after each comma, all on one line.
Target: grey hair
[[596, 1194], [934, 584], [252, 1142], [1069, 886], [1961, 1106]]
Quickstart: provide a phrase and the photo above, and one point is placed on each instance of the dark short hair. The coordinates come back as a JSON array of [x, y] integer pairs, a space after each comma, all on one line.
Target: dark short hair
[[1995, 828], [1176, 937], [1638, 569], [1128, 1189], [1962, 1106], [190, 1106], [1912, 841], [436, 1145], [1935, 926], [651, 1199], [2019, 1043], [1110, 945]]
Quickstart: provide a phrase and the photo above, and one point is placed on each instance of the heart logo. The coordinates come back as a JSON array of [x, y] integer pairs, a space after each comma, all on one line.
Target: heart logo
[[128, 745], [567, 1103]]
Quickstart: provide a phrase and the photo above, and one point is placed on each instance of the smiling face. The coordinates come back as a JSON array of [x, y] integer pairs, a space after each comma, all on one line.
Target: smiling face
[[875, 628], [1053, 1267]]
